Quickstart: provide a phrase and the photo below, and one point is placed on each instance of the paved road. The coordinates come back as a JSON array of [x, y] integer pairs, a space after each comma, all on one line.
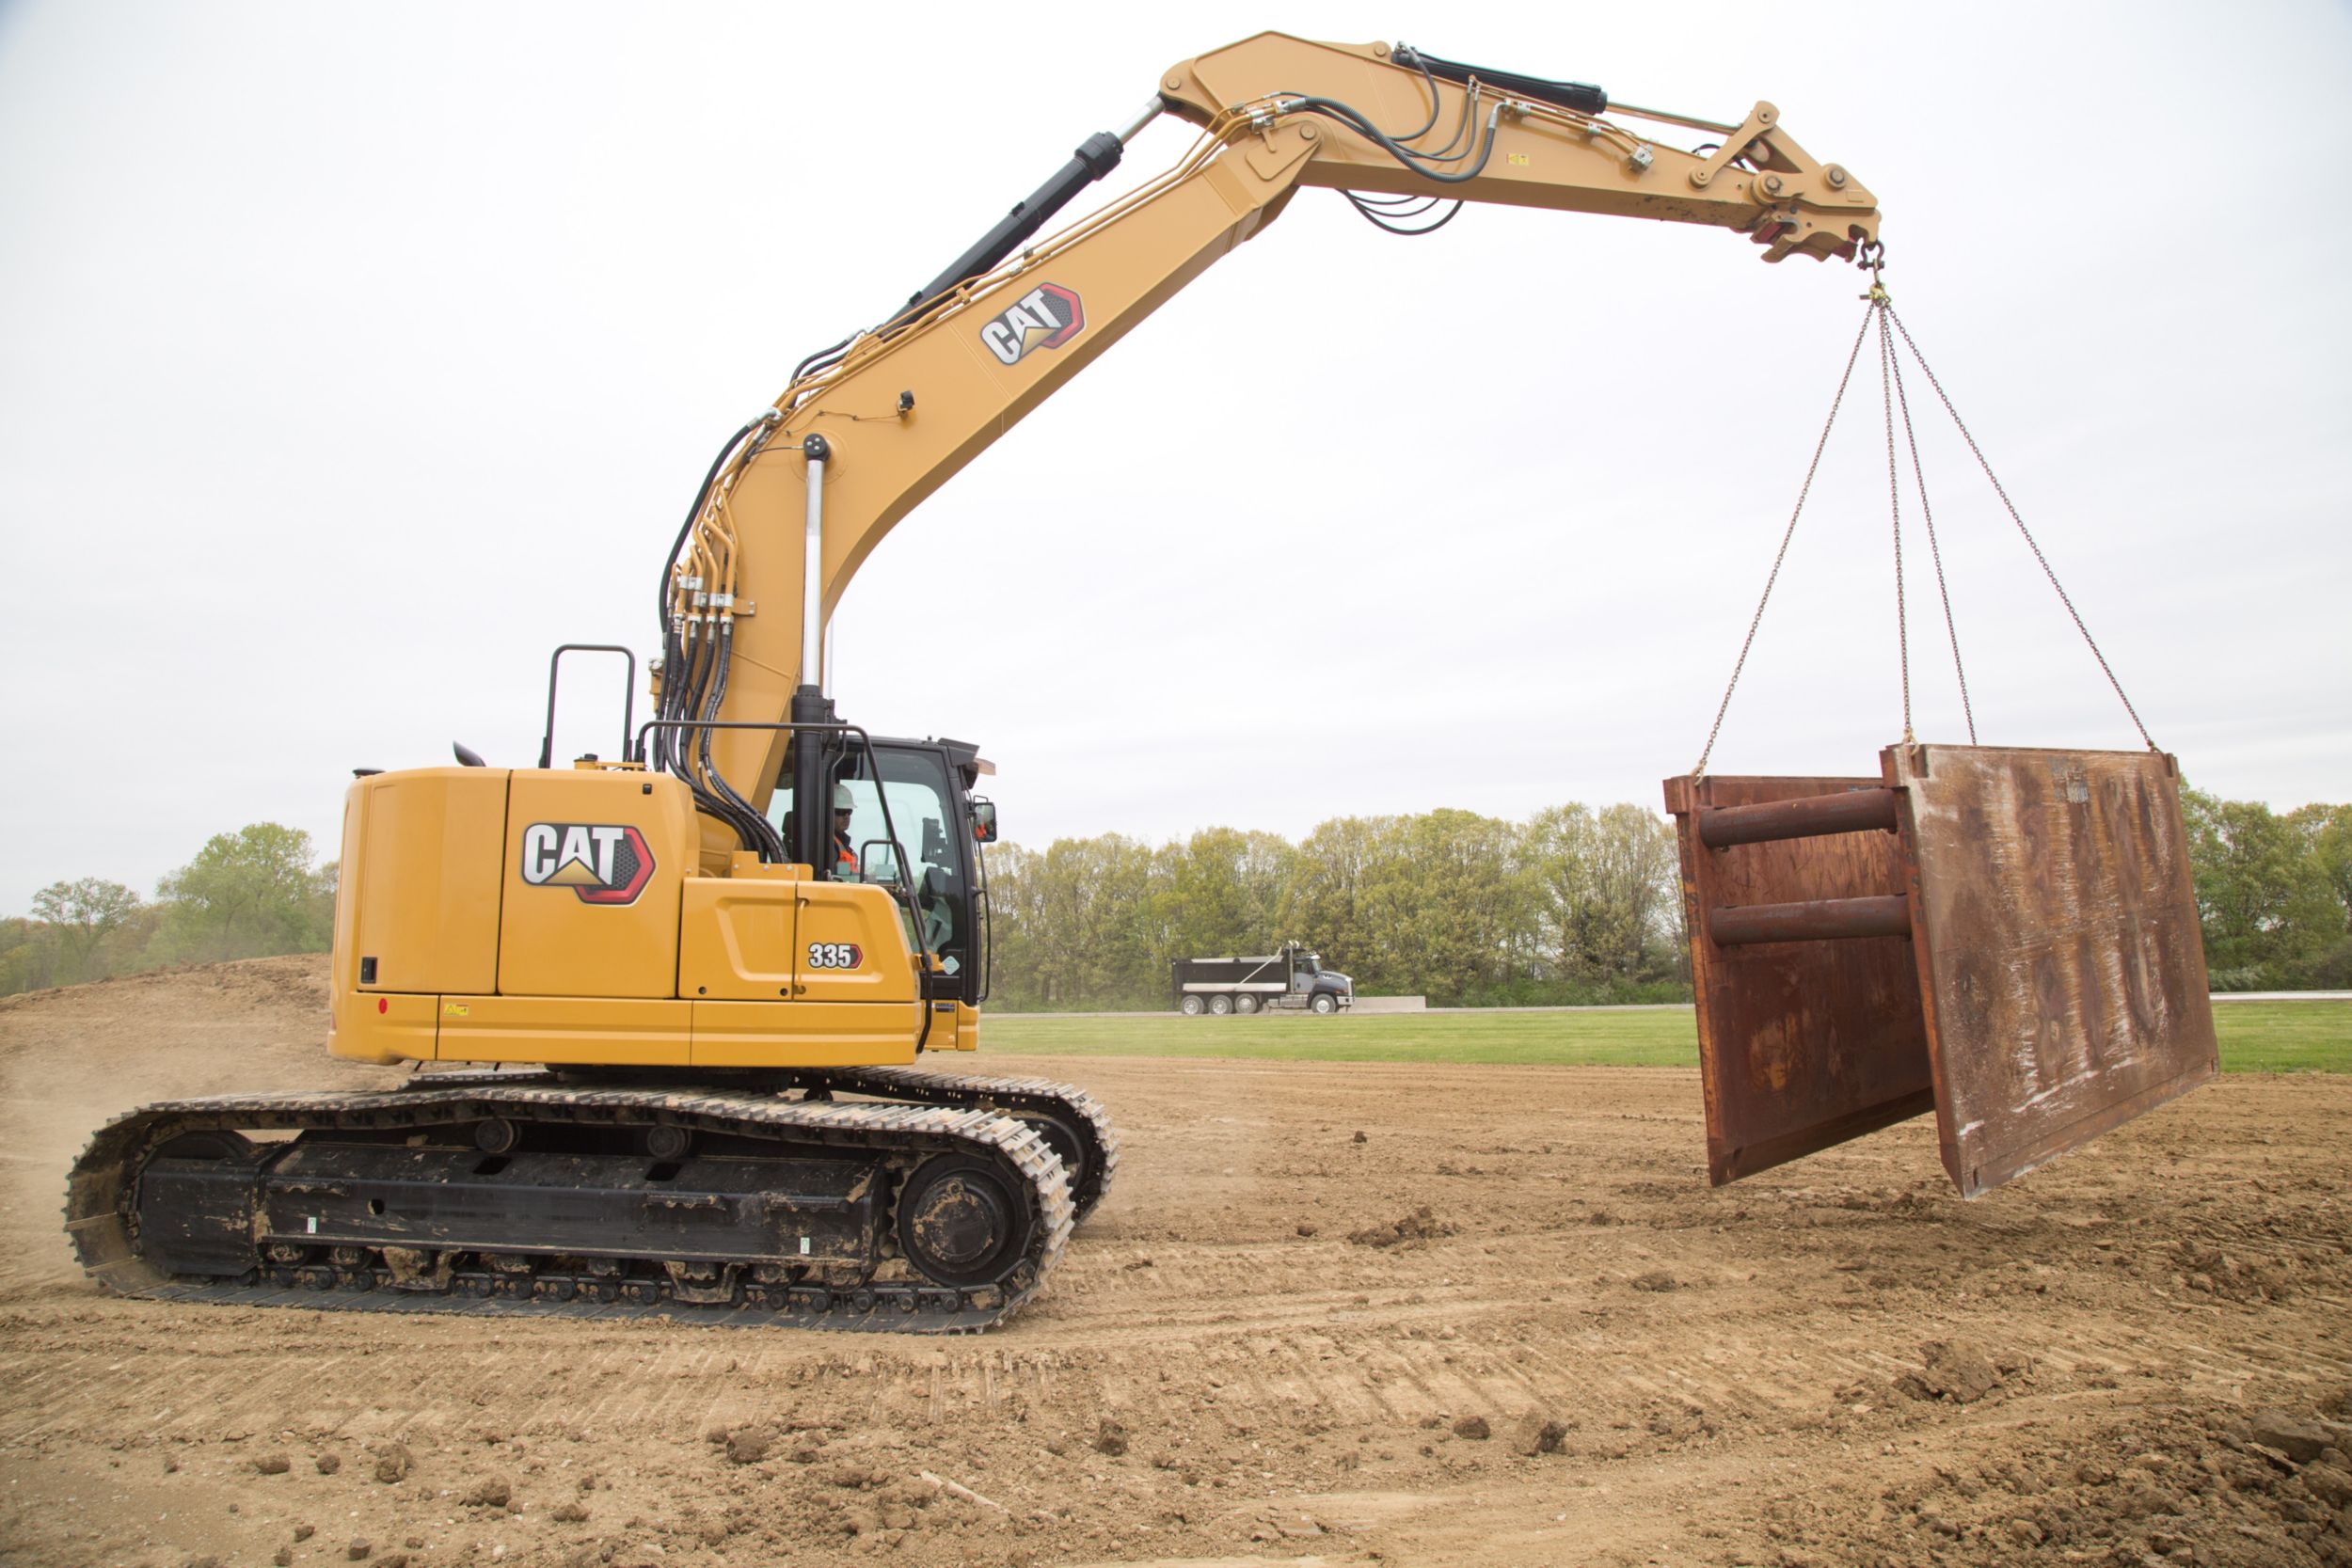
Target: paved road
[[1685, 1006]]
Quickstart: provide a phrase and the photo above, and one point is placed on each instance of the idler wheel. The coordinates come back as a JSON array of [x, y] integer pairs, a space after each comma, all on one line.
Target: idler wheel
[[1062, 1138], [963, 1221]]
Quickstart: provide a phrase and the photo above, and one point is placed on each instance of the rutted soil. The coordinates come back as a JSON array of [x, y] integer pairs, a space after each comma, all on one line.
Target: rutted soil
[[1508, 1323]]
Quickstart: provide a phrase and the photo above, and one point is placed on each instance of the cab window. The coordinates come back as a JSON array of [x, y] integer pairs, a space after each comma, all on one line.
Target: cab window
[[927, 858]]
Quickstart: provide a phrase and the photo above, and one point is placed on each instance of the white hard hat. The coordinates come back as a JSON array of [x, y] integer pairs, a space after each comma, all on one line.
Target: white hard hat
[[841, 798]]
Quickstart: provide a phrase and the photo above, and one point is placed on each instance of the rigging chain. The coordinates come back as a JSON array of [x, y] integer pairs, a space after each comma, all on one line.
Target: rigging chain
[[1877, 296], [2012, 508], [1881, 308], [1756, 620], [1902, 400]]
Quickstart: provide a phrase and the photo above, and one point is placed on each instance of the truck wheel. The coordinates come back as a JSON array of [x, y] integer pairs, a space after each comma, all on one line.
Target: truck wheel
[[1221, 1006], [1324, 1003], [1244, 1004], [1190, 1007]]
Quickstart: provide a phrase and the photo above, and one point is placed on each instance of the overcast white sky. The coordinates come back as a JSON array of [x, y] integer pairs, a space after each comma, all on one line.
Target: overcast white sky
[[352, 356]]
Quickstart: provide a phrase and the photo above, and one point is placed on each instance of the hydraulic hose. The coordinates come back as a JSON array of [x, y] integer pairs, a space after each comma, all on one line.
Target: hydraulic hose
[[662, 599], [1355, 120]]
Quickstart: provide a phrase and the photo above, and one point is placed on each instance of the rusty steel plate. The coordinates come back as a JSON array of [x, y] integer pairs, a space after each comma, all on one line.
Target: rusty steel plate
[[1801, 1044], [2058, 950]]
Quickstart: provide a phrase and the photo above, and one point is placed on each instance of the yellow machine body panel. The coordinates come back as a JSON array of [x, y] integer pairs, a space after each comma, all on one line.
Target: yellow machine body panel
[[416, 906], [736, 933], [957, 1031], [420, 859], [787, 972], [488, 915], [617, 1031], [593, 862], [382, 1028], [852, 947], [804, 1034]]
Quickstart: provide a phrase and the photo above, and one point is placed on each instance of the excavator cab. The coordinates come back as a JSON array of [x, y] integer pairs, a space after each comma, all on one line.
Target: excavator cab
[[915, 832]]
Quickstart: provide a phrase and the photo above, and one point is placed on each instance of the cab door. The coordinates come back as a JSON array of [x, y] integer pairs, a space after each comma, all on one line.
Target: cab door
[[911, 830], [850, 946]]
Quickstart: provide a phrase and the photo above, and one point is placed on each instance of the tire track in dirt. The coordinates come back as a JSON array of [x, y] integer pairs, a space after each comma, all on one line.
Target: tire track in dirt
[[1204, 1383]]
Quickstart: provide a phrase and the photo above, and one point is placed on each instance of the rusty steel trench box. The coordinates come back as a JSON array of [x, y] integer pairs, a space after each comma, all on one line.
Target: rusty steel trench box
[[2007, 937]]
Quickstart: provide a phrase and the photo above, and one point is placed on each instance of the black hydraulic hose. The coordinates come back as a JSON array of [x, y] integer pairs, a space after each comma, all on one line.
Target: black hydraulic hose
[[682, 697], [662, 599], [704, 705], [751, 825], [1463, 130], [696, 666], [683, 701], [660, 761], [1437, 100], [691, 658], [821, 355], [1461, 123], [1383, 220], [1355, 120]]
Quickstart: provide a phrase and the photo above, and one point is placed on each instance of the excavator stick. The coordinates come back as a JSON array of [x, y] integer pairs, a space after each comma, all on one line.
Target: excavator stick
[[2009, 937]]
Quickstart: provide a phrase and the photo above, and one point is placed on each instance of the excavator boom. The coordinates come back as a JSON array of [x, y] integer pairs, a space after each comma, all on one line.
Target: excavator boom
[[870, 429]]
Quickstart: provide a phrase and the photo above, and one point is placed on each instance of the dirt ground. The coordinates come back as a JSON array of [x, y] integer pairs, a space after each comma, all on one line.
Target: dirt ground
[[1330, 1314]]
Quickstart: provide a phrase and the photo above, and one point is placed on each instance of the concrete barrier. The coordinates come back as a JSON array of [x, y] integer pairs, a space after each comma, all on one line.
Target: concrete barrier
[[1389, 1005], [2282, 996]]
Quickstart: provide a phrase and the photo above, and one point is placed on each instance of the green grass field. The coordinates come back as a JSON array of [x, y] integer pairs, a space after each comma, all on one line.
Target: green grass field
[[2256, 1037]]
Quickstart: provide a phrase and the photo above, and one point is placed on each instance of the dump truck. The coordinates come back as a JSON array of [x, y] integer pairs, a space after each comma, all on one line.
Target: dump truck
[[1289, 978]]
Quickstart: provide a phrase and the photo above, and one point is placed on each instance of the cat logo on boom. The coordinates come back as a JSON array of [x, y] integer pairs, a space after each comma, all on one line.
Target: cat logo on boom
[[602, 862], [1047, 316]]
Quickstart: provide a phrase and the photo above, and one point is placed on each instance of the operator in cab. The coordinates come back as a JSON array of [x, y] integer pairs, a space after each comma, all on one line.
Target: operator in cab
[[844, 852]]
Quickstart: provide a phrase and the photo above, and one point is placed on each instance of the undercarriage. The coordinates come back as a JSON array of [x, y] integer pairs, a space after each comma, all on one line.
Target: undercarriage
[[890, 1200]]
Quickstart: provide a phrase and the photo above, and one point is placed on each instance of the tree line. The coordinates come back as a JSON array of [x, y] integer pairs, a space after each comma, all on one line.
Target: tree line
[[244, 895], [2274, 892], [1575, 906], [1572, 905]]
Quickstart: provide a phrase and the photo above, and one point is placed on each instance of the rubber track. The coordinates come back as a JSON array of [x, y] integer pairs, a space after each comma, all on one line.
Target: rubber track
[[100, 1186], [1014, 1094], [970, 1090]]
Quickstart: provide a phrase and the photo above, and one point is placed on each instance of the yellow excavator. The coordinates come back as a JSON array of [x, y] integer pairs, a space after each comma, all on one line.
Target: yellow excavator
[[690, 983]]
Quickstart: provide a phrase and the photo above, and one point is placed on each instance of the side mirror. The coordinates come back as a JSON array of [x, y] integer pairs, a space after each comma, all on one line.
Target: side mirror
[[983, 821]]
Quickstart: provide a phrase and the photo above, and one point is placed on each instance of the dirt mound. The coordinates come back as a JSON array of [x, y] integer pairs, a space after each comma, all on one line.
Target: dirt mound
[[2179, 1484], [1419, 1226], [1959, 1372], [1591, 1357], [72, 1058]]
